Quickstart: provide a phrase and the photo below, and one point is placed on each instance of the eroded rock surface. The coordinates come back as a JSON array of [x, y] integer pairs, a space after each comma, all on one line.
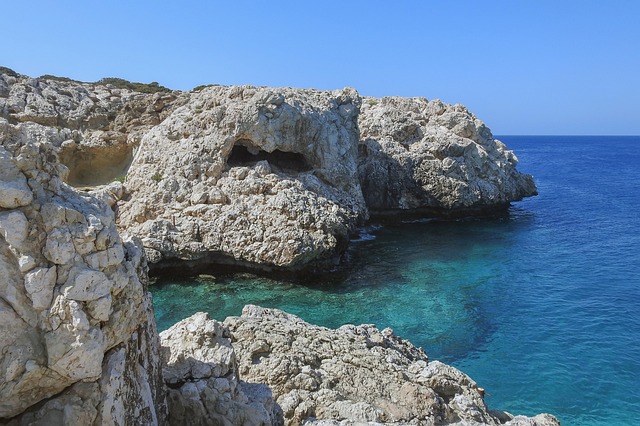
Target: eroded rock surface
[[201, 372], [255, 175], [77, 331], [308, 374], [419, 154], [270, 178], [263, 176], [94, 128]]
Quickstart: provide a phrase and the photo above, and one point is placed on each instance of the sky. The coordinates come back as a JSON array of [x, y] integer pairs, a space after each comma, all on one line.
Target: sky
[[559, 67]]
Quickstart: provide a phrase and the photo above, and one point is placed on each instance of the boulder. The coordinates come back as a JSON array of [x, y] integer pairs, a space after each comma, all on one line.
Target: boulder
[[201, 373]]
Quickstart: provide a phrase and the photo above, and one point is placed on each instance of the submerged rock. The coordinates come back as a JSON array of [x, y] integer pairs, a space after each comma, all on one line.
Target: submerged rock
[[77, 333]]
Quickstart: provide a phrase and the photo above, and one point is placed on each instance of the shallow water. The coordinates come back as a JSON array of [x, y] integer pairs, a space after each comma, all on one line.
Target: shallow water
[[541, 306]]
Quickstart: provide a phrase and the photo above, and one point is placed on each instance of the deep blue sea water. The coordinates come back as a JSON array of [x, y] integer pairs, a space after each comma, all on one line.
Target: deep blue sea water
[[541, 306]]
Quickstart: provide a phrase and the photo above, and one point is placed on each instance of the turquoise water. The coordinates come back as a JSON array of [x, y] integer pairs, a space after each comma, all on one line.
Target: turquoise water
[[540, 306]]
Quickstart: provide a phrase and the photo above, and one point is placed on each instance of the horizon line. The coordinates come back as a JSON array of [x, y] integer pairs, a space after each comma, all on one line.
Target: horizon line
[[566, 135]]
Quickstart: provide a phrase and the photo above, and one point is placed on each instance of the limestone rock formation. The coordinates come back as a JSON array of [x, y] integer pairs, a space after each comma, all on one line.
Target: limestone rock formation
[[77, 331], [201, 373], [261, 175], [352, 375], [428, 155], [270, 178], [95, 128]]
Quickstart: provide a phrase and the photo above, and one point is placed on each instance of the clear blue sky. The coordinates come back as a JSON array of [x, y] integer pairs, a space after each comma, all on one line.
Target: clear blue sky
[[523, 67]]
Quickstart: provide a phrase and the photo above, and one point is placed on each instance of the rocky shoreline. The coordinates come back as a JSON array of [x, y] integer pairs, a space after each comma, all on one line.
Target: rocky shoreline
[[259, 178], [269, 366]]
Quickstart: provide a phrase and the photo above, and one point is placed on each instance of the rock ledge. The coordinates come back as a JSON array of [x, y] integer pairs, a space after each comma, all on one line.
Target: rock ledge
[[306, 374]]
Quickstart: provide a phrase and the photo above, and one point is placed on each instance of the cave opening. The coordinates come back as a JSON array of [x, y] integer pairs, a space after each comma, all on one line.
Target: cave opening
[[245, 153]]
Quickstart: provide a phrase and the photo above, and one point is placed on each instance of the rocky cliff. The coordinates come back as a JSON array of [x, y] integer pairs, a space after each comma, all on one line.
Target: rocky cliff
[[262, 177], [435, 158], [77, 332], [269, 177], [257, 175]]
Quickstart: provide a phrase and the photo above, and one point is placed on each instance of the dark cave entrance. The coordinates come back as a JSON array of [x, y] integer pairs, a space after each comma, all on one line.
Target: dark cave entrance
[[244, 153]]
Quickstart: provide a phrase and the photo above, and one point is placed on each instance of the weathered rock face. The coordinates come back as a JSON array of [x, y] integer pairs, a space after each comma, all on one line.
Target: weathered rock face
[[94, 128], [352, 375], [416, 154], [266, 176], [263, 177], [76, 324], [201, 373]]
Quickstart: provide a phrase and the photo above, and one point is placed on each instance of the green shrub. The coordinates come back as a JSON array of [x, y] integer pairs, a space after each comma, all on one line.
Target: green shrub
[[56, 78], [8, 71], [157, 177], [202, 86], [121, 83]]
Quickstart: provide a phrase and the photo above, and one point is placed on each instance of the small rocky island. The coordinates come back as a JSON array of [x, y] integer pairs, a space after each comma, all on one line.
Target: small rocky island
[[101, 181]]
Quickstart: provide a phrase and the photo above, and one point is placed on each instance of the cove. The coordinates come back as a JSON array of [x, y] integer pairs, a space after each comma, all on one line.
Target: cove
[[541, 306], [384, 279]]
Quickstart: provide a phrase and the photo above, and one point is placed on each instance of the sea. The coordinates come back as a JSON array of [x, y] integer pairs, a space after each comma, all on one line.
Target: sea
[[540, 305]]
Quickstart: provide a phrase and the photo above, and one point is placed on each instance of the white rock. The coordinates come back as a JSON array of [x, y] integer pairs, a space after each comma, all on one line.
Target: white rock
[[59, 247], [85, 284], [100, 309], [14, 227], [345, 375], [75, 351], [63, 302], [26, 263], [201, 373], [14, 191], [272, 177], [105, 258], [255, 165], [39, 284], [271, 163], [416, 154]]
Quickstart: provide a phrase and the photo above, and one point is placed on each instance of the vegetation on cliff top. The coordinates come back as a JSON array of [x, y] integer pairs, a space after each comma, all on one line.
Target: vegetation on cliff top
[[201, 87], [152, 87], [9, 71], [120, 83], [57, 78]]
